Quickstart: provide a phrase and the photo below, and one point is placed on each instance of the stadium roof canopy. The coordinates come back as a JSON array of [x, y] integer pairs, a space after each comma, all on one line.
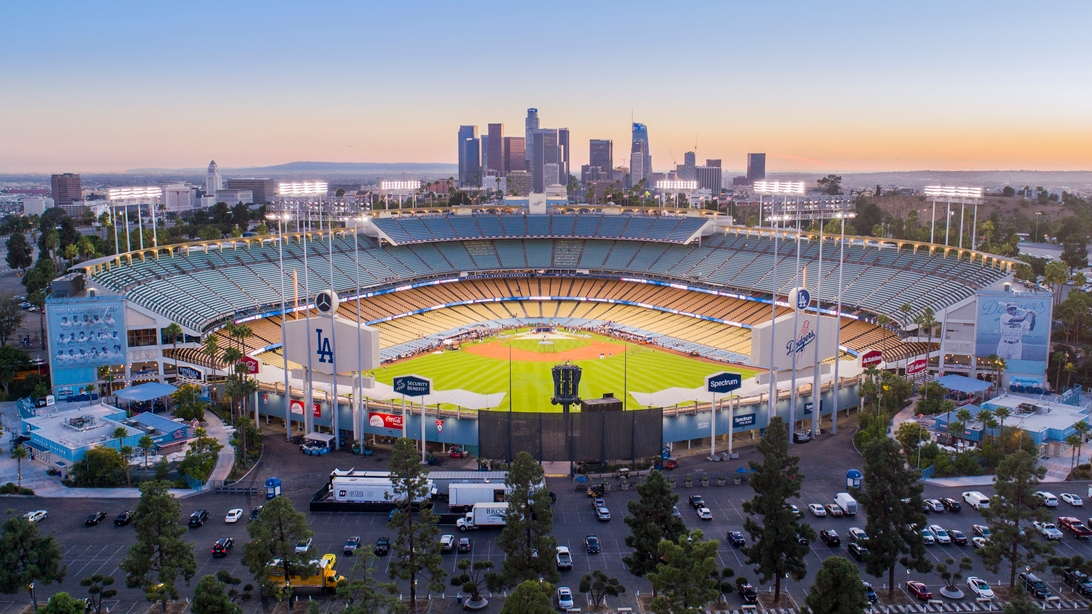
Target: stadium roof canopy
[[146, 392], [963, 384]]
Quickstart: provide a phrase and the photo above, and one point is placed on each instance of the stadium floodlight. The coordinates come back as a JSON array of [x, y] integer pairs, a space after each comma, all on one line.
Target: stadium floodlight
[[952, 192], [677, 186], [135, 193], [302, 188], [399, 186], [779, 187]]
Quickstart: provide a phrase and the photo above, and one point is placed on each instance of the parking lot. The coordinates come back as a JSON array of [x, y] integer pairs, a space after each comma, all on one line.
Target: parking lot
[[90, 550]]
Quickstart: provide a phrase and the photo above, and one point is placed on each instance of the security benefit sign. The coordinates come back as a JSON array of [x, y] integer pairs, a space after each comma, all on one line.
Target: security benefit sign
[[318, 335], [1016, 327], [412, 386], [791, 341]]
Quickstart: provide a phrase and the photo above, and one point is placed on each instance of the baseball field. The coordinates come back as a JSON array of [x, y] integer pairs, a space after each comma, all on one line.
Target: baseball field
[[525, 358]]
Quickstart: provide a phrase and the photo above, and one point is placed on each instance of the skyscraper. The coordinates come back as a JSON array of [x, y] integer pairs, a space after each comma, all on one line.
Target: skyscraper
[[470, 157], [709, 178], [515, 154], [543, 152], [213, 181], [67, 189], [495, 148], [756, 167], [640, 160], [686, 171], [530, 125], [601, 154], [562, 156]]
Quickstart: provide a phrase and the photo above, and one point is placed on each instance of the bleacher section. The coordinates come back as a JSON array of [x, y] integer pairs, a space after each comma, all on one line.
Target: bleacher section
[[206, 285]]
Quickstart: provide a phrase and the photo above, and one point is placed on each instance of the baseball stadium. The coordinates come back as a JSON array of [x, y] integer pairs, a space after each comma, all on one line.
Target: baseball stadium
[[649, 302]]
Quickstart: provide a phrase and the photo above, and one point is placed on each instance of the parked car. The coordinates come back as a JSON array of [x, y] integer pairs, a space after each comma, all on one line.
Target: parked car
[[1048, 530], [351, 545], [857, 551], [1071, 499], [36, 515], [736, 539], [857, 534], [94, 519], [447, 543], [564, 598], [254, 513], [935, 505], [747, 593], [817, 510], [801, 436], [919, 590], [958, 537], [980, 587], [1078, 581], [382, 546], [464, 544], [833, 510], [950, 504], [696, 501], [456, 452], [927, 537], [1048, 499], [705, 513], [602, 514], [198, 518], [222, 547], [123, 519], [796, 511], [940, 534], [233, 515], [591, 544], [675, 512], [870, 593], [978, 542], [671, 463], [305, 545], [981, 530], [1075, 527], [1033, 585], [830, 538], [564, 558]]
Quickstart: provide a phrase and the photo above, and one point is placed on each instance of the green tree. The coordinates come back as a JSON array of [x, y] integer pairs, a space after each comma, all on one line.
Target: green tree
[[837, 589], [529, 524], [173, 332], [98, 590], [831, 184], [11, 317], [19, 453], [161, 553], [146, 443], [1011, 513], [472, 578], [210, 598], [27, 557], [776, 551], [910, 436], [100, 467], [188, 404], [926, 320], [892, 505], [724, 583], [1021, 603], [650, 520], [599, 586], [686, 579], [273, 537], [63, 603], [200, 459], [1057, 273], [20, 253], [362, 593], [410, 484], [950, 573], [530, 597]]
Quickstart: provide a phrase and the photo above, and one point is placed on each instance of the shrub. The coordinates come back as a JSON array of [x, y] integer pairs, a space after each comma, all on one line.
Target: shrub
[[11, 489]]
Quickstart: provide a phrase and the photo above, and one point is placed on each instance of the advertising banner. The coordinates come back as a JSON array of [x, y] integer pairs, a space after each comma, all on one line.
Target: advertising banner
[[788, 342], [1015, 327], [871, 358], [384, 421], [85, 334], [322, 346], [916, 366], [296, 407], [742, 421]]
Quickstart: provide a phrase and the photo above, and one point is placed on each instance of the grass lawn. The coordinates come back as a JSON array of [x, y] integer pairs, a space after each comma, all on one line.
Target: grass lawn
[[644, 369]]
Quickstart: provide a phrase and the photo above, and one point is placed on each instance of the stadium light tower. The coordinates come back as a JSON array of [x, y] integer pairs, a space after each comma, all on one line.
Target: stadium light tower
[[949, 196]]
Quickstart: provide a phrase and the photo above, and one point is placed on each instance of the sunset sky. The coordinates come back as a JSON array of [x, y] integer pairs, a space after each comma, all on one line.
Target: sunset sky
[[833, 86]]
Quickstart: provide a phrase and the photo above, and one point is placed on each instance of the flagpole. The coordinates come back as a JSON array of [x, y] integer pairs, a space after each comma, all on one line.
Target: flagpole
[[838, 311]]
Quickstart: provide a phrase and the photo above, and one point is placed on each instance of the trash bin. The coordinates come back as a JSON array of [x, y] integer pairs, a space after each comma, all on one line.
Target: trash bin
[[459, 599]]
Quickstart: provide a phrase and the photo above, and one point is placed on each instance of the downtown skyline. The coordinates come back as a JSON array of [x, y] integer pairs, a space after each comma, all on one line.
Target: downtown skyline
[[845, 87]]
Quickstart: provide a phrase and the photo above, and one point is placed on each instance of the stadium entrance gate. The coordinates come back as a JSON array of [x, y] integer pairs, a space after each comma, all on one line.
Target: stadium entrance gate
[[572, 436]]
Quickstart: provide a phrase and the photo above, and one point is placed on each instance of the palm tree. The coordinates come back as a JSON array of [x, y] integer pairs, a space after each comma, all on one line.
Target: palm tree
[[173, 332], [1000, 365], [983, 417], [964, 417], [925, 319], [991, 424], [19, 453], [1073, 441], [211, 349], [1001, 413], [1082, 428], [146, 443], [991, 362], [106, 375], [904, 314], [956, 429]]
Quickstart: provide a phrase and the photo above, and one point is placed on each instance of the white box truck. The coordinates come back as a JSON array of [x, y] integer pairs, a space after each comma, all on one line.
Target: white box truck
[[847, 503], [462, 497], [483, 515]]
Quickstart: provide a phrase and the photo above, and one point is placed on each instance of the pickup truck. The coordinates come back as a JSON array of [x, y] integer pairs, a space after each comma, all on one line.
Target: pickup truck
[[1075, 527], [1048, 530]]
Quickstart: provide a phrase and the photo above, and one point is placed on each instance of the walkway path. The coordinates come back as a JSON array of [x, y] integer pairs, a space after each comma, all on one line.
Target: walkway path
[[216, 429]]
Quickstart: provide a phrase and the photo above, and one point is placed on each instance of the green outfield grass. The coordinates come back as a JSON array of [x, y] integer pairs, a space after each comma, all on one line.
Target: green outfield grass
[[647, 369]]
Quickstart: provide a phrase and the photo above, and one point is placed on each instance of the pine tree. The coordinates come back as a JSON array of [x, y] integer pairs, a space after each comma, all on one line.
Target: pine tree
[[651, 520], [1011, 513], [416, 550], [27, 557], [161, 553], [20, 253], [362, 593], [776, 550], [529, 525], [888, 481], [210, 598], [837, 589], [687, 577], [273, 537], [530, 597]]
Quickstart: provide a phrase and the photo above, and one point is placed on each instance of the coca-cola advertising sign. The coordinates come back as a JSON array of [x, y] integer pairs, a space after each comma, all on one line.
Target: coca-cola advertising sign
[[384, 421]]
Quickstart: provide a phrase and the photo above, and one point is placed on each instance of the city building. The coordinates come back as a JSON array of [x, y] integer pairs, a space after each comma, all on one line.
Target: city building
[[515, 153], [519, 183], [544, 151], [713, 162], [233, 197], [640, 160], [756, 167], [67, 189], [469, 156], [686, 171], [530, 125], [493, 160], [213, 181], [36, 205], [601, 154], [263, 190], [483, 146], [709, 178], [563, 155]]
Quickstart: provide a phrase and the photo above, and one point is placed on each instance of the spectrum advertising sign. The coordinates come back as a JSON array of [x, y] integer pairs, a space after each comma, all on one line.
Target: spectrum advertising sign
[[788, 342]]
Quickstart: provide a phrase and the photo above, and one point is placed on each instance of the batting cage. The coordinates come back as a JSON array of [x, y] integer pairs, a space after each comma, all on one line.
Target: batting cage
[[579, 436]]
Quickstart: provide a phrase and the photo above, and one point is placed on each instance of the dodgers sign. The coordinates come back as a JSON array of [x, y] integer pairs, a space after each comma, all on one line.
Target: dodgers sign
[[412, 386], [799, 298], [723, 382]]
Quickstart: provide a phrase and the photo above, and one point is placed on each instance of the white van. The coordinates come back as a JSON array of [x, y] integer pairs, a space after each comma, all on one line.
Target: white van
[[976, 500]]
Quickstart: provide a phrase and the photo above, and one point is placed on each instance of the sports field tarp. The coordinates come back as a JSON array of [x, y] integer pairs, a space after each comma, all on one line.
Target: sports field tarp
[[580, 436]]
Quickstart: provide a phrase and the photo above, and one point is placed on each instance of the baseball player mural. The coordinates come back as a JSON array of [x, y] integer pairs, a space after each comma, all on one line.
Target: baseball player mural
[[1015, 327]]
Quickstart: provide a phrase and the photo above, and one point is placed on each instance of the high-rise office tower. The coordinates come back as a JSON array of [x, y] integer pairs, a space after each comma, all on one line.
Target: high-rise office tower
[[713, 162], [686, 171], [470, 157], [756, 167], [530, 125], [640, 160], [543, 152], [213, 181], [515, 153], [601, 154], [709, 178], [495, 149], [484, 141], [67, 189], [562, 156]]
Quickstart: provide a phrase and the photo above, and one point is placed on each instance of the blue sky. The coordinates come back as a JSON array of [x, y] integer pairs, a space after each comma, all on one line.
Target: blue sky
[[836, 86]]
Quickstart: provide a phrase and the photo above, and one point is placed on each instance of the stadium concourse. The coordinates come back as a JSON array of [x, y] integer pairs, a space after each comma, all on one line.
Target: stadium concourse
[[678, 279]]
